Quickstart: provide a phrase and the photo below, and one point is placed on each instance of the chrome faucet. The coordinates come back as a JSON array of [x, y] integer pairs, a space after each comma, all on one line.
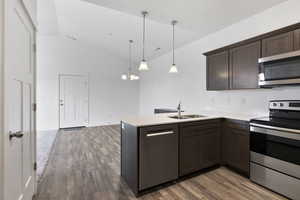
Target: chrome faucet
[[179, 110]]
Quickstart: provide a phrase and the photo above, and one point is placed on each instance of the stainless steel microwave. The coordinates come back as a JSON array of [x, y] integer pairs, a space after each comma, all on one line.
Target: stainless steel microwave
[[282, 69]]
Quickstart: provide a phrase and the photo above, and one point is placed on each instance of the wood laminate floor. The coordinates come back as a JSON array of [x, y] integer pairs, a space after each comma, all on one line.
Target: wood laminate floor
[[44, 142], [85, 165]]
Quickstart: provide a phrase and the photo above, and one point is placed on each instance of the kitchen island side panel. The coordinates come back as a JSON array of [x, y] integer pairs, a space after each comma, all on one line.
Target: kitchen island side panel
[[129, 155]]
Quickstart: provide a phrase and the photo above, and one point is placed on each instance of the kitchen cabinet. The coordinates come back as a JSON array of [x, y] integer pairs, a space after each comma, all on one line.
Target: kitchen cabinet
[[297, 40], [278, 44], [218, 71], [199, 146], [236, 66], [244, 66], [152, 155], [158, 155], [235, 145]]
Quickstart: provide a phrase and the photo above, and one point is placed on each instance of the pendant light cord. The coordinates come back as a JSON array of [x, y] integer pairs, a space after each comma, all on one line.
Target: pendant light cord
[[173, 42], [130, 57], [144, 32]]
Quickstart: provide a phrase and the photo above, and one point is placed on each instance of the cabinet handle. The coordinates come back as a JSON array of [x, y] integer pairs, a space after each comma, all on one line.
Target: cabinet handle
[[160, 133]]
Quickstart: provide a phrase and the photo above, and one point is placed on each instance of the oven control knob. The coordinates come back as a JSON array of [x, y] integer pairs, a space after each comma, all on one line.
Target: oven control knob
[[281, 104], [274, 104]]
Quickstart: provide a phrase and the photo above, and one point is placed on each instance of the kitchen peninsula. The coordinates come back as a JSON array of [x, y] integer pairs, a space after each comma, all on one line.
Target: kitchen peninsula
[[160, 149]]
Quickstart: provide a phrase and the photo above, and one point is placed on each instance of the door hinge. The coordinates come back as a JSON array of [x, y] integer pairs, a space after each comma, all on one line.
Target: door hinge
[[34, 107], [35, 166]]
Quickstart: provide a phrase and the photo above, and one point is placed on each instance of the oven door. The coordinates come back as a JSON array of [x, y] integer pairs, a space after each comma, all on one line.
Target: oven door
[[276, 148], [283, 69]]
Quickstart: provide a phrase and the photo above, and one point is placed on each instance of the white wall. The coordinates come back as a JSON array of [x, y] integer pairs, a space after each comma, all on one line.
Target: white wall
[[1, 96], [111, 99], [160, 89]]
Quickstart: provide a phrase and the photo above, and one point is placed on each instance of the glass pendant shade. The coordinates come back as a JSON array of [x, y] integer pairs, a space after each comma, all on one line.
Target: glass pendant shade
[[143, 66], [134, 77], [124, 77], [173, 69]]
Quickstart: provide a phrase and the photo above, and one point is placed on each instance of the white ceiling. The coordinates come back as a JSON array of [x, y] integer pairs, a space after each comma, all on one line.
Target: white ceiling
[[110, 24], [202, 16]]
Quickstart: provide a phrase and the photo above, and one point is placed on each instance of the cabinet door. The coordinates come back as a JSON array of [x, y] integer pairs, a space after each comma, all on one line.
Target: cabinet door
[[217, 71], [278, 44], [229, 145], [210, 148], [297, 39], [243, 150], [235, 146], [199, 146], [190, 153], [244, 66], [158, 155]]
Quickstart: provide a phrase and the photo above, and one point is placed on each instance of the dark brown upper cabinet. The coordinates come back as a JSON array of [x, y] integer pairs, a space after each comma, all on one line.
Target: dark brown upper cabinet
[[236, 66], [297, 39], [218, 71], [278, 44], [244, 66]]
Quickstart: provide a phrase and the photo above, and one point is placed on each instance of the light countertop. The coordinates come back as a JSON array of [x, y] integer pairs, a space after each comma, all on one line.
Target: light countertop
[[157, 119]]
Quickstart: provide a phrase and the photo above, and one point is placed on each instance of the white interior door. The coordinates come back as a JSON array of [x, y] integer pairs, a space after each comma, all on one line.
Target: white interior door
[[19, 141], [73, 101]]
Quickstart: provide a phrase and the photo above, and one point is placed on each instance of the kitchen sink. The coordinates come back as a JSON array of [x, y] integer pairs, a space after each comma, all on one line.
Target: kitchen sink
[[186, 116]]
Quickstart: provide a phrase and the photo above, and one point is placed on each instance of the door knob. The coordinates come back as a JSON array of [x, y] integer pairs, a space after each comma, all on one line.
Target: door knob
[[18, 134]]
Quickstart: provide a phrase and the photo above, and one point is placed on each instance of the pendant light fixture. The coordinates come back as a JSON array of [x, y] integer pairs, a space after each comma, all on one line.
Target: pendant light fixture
[[143, 64], [130, 75], [173, 68]]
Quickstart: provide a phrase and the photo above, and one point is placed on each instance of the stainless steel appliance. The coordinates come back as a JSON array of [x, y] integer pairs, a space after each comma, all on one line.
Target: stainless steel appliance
[[282, 69], [275, 149]]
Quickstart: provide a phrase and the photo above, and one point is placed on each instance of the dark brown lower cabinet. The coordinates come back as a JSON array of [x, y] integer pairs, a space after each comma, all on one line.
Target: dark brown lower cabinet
[[199, 146], [154, 155], [235, 145]]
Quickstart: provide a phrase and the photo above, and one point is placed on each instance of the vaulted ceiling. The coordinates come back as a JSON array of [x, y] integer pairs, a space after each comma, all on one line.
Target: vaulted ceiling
[[110, 24]]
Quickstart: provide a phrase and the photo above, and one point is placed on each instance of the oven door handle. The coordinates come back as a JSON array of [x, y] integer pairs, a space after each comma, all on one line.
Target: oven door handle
[[276, 131]]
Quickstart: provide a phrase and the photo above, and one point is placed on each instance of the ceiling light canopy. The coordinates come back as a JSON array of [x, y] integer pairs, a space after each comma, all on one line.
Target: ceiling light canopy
[[143, 65], [173, 68]]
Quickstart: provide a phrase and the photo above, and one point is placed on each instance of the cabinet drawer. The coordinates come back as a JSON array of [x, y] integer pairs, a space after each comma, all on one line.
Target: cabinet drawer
[[237, 124], [211, 122]]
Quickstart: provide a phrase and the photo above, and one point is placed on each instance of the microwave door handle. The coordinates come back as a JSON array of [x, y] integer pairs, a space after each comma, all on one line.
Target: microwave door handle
[[279, 56]]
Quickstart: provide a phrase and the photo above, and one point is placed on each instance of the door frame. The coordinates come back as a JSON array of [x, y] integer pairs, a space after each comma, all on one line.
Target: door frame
[[3, 120], [87, 76]]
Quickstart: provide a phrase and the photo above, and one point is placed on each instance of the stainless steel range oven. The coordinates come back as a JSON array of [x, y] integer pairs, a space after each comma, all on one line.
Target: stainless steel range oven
[[275, 149]]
